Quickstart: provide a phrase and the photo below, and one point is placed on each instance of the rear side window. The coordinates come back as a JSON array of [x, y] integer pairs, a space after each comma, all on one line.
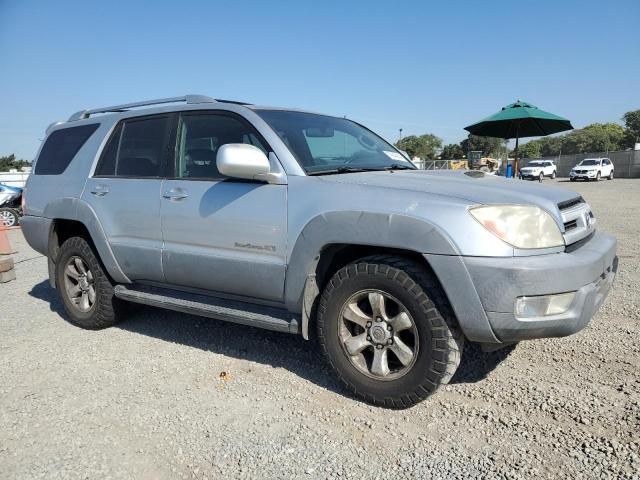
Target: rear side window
[[60, 148], [107, 163], [137, 148]]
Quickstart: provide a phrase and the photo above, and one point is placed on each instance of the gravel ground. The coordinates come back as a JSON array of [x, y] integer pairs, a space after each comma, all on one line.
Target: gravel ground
[[166, 395]]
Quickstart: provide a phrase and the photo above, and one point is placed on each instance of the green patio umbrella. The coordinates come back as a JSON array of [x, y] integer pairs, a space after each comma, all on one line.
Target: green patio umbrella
[[519, 119]]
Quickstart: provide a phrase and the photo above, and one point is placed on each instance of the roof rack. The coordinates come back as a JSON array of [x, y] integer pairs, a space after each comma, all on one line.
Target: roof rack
[[191, 99]]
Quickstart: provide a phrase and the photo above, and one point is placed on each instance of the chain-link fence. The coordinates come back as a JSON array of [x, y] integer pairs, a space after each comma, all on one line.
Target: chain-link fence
[[440, 164]]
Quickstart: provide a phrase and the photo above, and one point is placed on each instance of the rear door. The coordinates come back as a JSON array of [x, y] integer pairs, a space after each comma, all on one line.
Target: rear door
[[221, 234], [125, 193], [549, 169]]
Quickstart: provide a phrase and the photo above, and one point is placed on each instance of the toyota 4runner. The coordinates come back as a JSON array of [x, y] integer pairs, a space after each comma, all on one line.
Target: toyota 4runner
[[313, 225]]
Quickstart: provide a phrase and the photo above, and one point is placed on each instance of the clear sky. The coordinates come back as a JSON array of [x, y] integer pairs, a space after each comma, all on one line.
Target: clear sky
[[422, 66]]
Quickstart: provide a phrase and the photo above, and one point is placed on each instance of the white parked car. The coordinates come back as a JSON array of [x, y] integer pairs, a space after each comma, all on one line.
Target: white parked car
[[592, 169], [538, 169]]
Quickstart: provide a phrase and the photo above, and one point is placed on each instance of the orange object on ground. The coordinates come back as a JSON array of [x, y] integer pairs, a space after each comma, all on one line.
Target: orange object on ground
[[5, 246]]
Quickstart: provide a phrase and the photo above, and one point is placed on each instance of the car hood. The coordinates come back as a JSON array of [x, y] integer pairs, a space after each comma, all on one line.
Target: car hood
[[533, 167], [587, 167], [472, 186]]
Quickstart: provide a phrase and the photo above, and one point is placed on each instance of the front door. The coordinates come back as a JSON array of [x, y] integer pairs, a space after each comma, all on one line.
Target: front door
[[221, 234], [125, 194]]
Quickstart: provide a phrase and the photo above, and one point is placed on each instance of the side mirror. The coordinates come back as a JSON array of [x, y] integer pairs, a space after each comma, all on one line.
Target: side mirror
[[240, 160]]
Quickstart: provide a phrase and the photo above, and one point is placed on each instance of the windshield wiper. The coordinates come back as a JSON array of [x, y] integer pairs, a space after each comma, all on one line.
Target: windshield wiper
[[344, 170]]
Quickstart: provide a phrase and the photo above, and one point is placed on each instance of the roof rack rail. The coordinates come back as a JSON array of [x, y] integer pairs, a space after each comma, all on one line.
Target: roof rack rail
[[82, 114]]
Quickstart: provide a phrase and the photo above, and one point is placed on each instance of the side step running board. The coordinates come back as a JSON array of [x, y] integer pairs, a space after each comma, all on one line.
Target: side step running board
[[269, 318]]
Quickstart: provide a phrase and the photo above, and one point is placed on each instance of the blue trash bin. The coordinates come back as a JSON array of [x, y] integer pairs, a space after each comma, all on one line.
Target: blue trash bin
[[509, 171]]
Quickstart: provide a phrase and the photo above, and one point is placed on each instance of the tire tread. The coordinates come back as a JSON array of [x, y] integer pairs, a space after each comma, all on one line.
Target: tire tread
[[447, 341]]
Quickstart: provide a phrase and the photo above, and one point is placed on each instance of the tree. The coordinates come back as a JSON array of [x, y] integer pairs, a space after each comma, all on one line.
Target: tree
[[489, 146], [453, 151], [423, 146], [632, 128], [529, 150], [8, 162], [597, 137]]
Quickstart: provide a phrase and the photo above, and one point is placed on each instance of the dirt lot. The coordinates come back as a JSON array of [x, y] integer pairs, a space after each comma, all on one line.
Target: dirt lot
[[147, 399]]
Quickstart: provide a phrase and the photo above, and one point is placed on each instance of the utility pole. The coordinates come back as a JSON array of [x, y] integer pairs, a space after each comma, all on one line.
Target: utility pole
[[400, 137]]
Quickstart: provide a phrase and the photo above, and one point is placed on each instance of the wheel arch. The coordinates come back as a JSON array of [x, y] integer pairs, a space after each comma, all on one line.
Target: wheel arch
[[73, 217], [332, 240]]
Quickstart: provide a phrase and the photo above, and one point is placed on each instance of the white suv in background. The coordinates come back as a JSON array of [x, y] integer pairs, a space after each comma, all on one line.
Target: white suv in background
[[538, 169], [592, 169]]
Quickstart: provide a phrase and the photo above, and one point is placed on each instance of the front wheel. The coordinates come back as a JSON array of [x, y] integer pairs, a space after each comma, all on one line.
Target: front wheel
[[610, 177], [388, 331], [553, 175], [598, 177], [541, 177], [9, 217], [85, 288]]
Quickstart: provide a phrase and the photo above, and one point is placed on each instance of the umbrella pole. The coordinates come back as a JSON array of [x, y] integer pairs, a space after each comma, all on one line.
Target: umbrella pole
[[515, 162]]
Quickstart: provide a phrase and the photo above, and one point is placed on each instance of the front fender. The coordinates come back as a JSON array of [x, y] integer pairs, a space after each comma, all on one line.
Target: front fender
[[358, 228]]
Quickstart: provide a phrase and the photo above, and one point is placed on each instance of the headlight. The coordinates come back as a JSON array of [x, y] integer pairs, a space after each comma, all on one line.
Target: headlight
[[522, 226]]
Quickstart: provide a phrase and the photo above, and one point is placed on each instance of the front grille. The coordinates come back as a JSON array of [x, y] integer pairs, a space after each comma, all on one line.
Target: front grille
[[578, 220]]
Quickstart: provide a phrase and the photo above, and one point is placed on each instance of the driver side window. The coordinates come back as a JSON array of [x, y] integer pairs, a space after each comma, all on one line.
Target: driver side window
[[199, 138]]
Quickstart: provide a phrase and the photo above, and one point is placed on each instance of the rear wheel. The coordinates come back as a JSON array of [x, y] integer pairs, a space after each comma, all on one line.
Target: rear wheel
[[610, 177], [85, 289], [9, 217], [553, 175], [388, 331]]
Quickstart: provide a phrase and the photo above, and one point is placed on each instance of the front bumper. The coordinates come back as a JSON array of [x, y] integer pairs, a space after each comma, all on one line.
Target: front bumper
[[498, 282], [585, 176]]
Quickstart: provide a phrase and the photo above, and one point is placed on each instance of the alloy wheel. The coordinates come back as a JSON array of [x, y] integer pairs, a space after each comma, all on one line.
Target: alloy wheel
[[378, 335], [79, 284], [7, 218]]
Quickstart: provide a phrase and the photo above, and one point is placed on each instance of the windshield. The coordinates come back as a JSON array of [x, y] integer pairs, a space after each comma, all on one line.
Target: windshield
[[589, 162], [536, 164], [324, 144]]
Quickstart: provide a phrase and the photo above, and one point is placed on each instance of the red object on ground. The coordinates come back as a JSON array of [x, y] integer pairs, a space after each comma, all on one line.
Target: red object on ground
[[5, 246]]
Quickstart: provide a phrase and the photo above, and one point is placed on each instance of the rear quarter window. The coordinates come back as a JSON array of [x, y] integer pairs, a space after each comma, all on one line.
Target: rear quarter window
[[60, 148]]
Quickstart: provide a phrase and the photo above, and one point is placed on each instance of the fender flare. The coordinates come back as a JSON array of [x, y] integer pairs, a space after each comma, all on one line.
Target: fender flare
[[80, 211], [388, 230]]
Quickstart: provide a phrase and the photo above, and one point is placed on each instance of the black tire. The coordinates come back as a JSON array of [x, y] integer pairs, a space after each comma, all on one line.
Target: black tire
[[9, 217], [598, 177], [610, 177], [553, 175], [541, 177], [572, 179], [104, 311], [439, 340]]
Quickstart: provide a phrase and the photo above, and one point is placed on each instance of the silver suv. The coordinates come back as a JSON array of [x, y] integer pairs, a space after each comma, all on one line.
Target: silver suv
[[313, 225]]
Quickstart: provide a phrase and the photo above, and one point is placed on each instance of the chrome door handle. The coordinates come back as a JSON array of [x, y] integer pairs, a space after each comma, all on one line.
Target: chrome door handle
[[100, 190], [174, 195]]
